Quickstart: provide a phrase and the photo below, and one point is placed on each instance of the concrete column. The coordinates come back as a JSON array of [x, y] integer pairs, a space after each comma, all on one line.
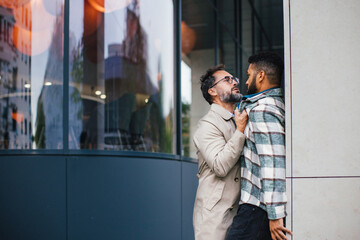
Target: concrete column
[[322, 113]]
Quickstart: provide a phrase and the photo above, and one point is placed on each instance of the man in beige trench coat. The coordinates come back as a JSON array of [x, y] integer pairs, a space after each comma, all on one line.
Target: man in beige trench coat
[[219, 141]]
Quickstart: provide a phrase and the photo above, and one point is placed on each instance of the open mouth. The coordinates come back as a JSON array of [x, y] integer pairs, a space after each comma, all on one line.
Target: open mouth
[[235, 89]]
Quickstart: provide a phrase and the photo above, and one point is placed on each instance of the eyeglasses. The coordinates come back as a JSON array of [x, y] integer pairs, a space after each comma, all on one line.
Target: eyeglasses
[[228, 79]]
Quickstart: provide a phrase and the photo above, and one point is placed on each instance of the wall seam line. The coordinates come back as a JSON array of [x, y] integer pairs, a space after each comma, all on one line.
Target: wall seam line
[[291, 124]]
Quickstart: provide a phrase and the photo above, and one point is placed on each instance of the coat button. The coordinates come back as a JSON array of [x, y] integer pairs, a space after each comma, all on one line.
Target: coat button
[[236, 179]]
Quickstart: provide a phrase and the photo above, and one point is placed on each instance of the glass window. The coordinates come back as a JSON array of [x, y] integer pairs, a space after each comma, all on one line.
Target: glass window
[[234, 30], [261, 29], [121, 75], [198, 54], [227, 36], [227, 51], [31, 74]]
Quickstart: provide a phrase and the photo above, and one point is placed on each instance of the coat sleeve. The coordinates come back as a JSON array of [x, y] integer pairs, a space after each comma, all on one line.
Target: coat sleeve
[[219, 155], [269, 136]]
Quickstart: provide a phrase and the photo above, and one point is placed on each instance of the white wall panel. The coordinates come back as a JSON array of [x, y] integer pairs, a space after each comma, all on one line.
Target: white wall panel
[[325, 83], [322, 113], [326, 208]]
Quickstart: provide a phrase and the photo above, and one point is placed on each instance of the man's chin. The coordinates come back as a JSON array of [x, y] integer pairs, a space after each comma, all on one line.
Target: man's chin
[[235, 98], [251, 91]]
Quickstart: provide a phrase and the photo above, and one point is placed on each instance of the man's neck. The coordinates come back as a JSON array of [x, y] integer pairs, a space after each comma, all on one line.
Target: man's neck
[[266, 87], [227, 106]]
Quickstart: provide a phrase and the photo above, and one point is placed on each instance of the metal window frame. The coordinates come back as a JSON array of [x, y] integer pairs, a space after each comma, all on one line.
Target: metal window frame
[[66, 62]]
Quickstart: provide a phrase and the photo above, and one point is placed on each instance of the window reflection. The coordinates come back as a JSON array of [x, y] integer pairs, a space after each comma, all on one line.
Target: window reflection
[[226, 32], [198, 54], [121, 73], [30, 56]]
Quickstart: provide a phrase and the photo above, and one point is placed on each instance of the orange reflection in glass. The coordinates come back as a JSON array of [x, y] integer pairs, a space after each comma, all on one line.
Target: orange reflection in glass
[[18, 117], [6, 3], [31, 43], [33, 27], [107, 6], [33, 16], [188, 38], [13, 3], [92, 19]]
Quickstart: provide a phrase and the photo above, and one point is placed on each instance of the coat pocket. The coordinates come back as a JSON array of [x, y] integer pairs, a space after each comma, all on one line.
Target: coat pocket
[[215, 195]]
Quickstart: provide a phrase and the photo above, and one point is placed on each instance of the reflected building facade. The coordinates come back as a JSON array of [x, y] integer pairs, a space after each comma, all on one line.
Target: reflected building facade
[[22, 39], [15, 78]]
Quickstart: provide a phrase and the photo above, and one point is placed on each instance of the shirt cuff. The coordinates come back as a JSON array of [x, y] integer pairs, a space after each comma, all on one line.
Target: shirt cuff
[[276, 212]]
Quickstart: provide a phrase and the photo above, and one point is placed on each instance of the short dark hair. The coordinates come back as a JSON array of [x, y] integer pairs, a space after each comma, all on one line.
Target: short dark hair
[[271, 63], [207, 80]]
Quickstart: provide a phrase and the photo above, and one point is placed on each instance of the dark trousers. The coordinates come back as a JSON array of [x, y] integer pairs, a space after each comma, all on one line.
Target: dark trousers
[[250, 223]]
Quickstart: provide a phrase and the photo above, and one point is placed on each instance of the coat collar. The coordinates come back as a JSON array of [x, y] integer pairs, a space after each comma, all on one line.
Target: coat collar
[[225, 114]]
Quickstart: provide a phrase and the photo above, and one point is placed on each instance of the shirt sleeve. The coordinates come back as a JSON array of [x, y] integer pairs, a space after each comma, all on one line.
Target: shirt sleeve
[[219, 155], [269, 135]]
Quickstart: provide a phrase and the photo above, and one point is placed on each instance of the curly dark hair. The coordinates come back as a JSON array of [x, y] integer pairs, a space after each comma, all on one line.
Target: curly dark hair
[[208, 79], [271, 63]]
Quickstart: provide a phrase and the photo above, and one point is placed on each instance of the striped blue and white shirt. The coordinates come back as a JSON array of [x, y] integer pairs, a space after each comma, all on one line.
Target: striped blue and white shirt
[[263, 160]]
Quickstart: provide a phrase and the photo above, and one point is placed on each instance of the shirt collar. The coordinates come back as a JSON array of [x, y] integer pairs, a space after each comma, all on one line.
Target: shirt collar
[[255, 94], [251, 98]]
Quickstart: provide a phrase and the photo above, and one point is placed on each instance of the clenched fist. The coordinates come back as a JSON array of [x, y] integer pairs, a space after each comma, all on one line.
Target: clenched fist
[[241, 120]]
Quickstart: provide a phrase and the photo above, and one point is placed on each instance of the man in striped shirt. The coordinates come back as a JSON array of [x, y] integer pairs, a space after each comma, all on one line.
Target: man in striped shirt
[[263, 186]]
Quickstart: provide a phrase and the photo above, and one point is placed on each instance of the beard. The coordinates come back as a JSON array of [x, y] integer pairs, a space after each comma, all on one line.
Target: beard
[[252, 87], [229, 97]]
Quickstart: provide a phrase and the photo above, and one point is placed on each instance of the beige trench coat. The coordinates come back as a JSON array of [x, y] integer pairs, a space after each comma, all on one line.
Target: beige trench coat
[[219, 146]]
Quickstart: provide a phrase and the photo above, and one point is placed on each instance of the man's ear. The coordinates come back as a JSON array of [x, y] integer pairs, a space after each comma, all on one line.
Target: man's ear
[[261, 76], [212, 92]]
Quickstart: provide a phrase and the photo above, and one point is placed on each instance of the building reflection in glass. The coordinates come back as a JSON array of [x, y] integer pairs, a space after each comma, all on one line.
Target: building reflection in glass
[[121, 74], [31, 74]]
